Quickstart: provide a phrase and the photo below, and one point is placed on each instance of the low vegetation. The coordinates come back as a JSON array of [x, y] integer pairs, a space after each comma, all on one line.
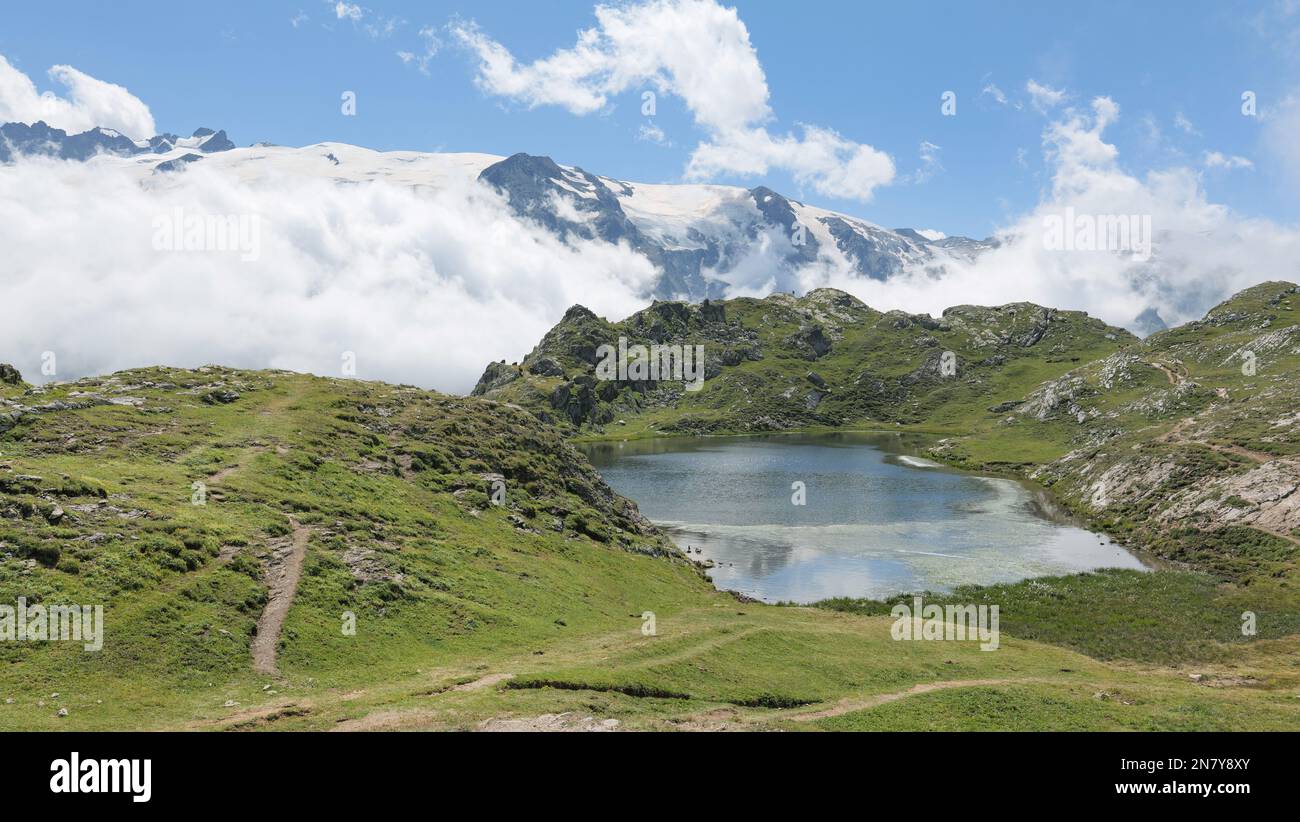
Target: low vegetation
[[465, 567]]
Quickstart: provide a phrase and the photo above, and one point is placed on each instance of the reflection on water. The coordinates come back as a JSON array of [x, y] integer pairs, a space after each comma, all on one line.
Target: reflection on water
[[879, 518]]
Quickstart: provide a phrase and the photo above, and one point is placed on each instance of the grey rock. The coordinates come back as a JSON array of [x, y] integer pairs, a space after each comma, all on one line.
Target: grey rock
[[219, 396], [1148, 323], [177, 164], [812, 340], [496, 375], [40, 138], [546, 367], [217, 142]]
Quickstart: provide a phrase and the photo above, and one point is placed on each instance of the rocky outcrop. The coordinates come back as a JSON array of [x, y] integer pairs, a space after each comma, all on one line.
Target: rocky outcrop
[[39, 138], [897, 359], [577, 401], [495, 376], [546, 367], [810, 341]]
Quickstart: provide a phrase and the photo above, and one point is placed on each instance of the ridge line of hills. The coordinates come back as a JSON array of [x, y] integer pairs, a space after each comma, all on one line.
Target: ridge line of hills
[[177, 497], [699, 237], [1167, 443]]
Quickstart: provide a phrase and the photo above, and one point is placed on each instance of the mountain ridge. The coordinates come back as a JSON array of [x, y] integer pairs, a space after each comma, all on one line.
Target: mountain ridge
[[41, 139], [812, 334], [699, 237], [1185, 444], [491, 576]]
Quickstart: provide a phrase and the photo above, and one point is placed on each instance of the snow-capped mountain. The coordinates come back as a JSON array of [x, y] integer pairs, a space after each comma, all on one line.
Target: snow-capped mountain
[[39, 138], [700, 234], [704, 239]]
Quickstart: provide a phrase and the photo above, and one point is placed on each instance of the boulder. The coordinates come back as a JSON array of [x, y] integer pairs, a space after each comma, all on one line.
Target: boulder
[[546, 367], [496, 375], [813, 340]]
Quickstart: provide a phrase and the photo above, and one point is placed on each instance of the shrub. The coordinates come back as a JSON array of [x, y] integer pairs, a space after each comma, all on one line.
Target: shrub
[[46, 554], [246, 565]]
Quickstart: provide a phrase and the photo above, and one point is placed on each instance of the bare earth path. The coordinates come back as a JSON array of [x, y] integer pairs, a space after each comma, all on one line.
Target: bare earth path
[[217, 478], [1174, 377], [282, 582], [1177, 436], [845, 706], [484, 682], [1275, 532]]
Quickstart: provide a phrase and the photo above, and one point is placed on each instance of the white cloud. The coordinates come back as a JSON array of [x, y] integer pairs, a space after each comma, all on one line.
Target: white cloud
[[1281, 124], [696, 50], [432, 44], [1216, 159], [651, 133], [1044, 97], [1185, 125], [89, 103], [1154, 141], [831, 165], [298, 19], [991, 90], [377, 27], [997, 95], [1278, 24], [424, 286], [930, 163], [347, 11], [1204, 251], [427, 286], [383, 27]]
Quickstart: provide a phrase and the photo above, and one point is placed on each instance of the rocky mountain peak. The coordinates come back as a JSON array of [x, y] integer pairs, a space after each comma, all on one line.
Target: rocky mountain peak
[[578, 312], [9, 375], [40, 139]]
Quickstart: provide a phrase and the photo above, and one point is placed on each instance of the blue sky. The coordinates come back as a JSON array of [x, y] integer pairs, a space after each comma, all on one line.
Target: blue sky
[[872, 72]]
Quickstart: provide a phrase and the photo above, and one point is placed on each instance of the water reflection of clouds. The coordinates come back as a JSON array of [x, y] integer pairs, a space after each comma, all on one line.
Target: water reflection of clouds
[[874, 526]]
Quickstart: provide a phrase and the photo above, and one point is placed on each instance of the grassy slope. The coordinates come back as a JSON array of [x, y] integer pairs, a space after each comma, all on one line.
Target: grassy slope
[[1157, 403], [451, 590], [1168, 444], [432, 576], [881, 369]]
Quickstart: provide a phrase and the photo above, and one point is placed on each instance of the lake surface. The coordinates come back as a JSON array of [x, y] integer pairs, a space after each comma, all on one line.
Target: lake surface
[[879, 519]]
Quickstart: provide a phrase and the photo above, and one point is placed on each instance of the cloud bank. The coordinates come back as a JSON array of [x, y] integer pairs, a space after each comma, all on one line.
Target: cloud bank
[[1203, 252], [423, 286], [89, 103], [426, 285], [700, 52]]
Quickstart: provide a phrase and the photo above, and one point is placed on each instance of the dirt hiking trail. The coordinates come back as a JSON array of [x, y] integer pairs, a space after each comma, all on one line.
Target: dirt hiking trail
[[282, 581]]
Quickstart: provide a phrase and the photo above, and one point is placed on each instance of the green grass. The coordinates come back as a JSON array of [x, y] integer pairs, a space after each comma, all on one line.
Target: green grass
[[549, 588], [1066, 708], [1162, 617], [881, 369], [397, 540], [445, 587]]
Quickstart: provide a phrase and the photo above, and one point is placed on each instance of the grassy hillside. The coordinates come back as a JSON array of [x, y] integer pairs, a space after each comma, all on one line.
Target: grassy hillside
[[783, 363], [324, 498], [1186, 445], [390, 487], [1167, 442]]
